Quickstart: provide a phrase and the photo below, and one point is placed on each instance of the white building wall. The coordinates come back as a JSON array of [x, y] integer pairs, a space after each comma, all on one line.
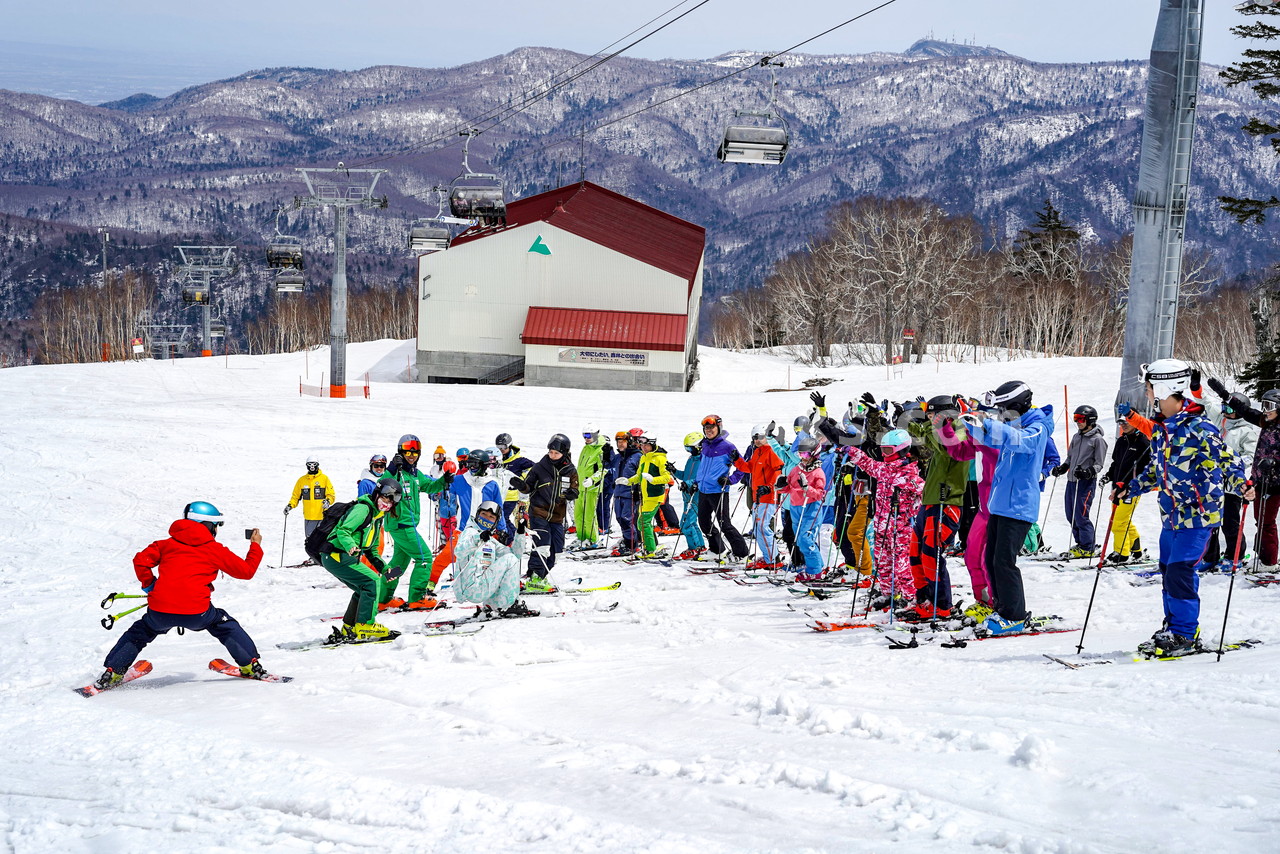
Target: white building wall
[[481, 291]]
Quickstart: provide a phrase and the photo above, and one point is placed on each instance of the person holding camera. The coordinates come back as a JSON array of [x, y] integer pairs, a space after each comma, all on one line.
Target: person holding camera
[[179, 595]]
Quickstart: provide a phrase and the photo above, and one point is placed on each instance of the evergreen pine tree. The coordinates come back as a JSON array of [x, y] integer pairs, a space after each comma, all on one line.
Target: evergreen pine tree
[[1260, 69]]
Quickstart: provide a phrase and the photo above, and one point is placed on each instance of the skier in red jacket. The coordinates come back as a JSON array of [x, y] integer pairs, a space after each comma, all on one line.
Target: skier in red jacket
[[179, 598]]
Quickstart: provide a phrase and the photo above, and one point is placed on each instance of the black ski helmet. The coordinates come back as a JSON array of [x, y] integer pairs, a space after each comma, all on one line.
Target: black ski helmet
[[409, 442], [941, 403], [807, 445], [503, 440], [1089, 414], [1014, 395], [478, 461], [559, 442], [389, 487]]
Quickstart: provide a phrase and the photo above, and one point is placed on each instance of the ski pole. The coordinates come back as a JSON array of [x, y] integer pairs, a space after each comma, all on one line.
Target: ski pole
[[1047, 506], [1097, 517], [106, 603], [893, 554], [943, 492], [282, 538], [109, 621], [1098, 574], [1235, 560]]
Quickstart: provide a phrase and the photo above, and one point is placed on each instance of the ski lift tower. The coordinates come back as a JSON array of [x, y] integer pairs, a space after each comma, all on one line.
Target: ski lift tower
[[341, 189], [200, 265], [1160, 203]]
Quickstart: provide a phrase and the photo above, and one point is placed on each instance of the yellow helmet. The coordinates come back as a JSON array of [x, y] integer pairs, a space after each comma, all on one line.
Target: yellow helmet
[[692, 440]]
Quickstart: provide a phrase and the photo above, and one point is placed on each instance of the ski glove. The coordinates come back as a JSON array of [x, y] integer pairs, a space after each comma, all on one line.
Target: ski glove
[[518, 484], [1123, 410], [447, 478], [287, 508], [570, 494], [397, 463], [326, 503], [734, 456], [1218, 388], [762, 490], [869, 400], [648, 478], [148, 588], [1058, 471], [485, 535], [723, 480], [819, 400], [1084, 473], [621, 481]]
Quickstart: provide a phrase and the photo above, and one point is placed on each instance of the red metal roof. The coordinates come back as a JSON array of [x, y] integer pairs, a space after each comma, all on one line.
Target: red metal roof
[[614, 221], [584, 327]]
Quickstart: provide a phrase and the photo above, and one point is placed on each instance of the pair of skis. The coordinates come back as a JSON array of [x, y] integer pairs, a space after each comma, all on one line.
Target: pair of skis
[[142, 668], [1118, 658]]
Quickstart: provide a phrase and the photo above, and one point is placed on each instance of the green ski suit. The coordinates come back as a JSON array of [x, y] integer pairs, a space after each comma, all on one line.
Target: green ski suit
[[591, 473], [360, 527], [410, 547]]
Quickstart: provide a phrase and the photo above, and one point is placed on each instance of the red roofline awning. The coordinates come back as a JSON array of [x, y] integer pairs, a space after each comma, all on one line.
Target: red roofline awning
[[580, 327]]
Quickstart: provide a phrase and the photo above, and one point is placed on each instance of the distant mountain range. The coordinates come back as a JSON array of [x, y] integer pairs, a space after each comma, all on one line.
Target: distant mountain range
[[974, 128]]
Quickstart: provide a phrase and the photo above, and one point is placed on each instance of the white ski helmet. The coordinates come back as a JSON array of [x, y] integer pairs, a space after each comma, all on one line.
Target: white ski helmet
[[1167, 377], [759, 431]]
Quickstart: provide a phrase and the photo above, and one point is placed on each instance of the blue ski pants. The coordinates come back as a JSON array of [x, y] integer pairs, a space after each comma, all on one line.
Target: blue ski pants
[[804, 521], [689, 522], [1180, 552], [762, 527]]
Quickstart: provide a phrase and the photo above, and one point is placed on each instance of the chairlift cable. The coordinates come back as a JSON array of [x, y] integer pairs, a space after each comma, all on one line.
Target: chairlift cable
[[762, 61], [500, 115]]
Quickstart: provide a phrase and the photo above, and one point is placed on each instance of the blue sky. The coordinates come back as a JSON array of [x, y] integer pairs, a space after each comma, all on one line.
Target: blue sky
[[235, 35]]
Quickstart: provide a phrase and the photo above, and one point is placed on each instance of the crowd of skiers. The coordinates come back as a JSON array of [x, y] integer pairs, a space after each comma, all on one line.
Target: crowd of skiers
[[888, 492]]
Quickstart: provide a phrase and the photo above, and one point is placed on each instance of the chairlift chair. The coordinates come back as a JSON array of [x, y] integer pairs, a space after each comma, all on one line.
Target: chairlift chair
[[425, 237], [478, 196], [762, 143], [284, 252], [195, 294], [289, 281]]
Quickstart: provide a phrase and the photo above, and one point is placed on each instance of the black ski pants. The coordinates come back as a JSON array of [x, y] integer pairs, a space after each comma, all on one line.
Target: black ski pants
[[545, 537], [714, 519], [1004, 538]]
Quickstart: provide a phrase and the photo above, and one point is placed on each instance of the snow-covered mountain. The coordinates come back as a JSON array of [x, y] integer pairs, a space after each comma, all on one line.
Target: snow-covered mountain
[[974, 128]]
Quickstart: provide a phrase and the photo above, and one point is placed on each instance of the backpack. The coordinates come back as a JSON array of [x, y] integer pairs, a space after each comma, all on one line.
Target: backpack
[[318, 540]]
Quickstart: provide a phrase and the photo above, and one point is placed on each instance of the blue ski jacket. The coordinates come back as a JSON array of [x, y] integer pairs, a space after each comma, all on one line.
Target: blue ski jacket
[[628, 465], [1020, 444], [1193, 469], [715, 464]]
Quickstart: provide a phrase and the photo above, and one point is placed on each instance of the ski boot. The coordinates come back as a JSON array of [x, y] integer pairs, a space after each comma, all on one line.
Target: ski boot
[[393, 602], [998, 625], [108, 679], [538, 584], [373, 631], [428, 602], [253, 670], [978, 612], [518, 609], [1117, 559], [622, 551], [923, 612], [1166, 644]]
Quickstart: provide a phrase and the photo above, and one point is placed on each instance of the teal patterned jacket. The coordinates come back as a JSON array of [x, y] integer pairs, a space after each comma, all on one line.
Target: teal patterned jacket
[[1192, 467]]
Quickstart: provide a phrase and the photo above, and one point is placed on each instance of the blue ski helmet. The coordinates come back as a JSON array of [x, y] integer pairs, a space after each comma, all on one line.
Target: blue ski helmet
[[202, 511]]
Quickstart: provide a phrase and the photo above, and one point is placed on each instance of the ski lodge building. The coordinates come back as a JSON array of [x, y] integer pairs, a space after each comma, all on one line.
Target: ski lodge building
[[581, 288]]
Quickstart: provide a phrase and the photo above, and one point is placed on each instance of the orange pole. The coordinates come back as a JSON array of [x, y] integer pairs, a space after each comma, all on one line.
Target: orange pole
[[1066, 424]]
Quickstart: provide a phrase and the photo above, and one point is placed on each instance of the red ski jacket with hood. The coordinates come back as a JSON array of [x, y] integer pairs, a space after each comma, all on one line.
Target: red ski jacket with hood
[[189, 561]]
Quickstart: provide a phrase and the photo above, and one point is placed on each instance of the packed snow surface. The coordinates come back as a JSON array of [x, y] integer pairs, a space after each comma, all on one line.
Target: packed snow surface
[[698, 716]]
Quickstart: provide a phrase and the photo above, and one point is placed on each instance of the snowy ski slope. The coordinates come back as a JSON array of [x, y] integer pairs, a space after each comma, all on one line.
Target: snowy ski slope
[[698, 716]]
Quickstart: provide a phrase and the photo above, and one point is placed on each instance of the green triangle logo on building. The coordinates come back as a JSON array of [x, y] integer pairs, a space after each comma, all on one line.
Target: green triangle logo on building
[[540, 247]]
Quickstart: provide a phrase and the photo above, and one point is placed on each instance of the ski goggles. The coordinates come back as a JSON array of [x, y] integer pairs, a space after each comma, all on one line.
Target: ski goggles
[[1080, 419], [411, 447], [992, 399], [1268, 406], [380, 465], [711, 421]]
